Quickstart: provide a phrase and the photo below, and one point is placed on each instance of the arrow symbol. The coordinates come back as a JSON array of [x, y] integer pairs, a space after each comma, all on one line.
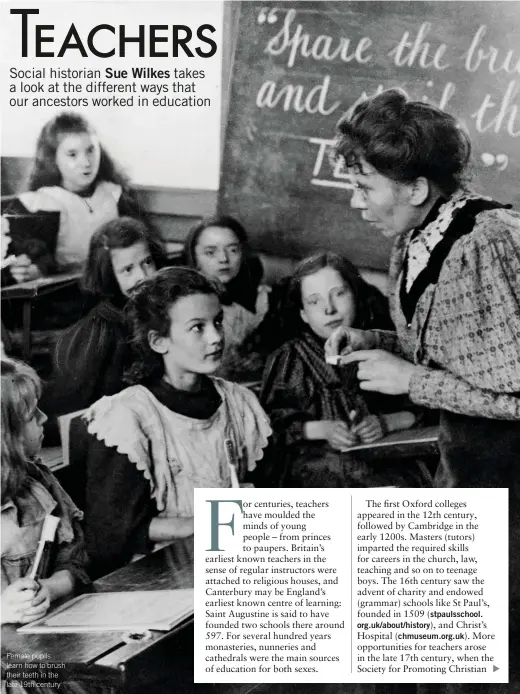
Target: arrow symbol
[[495, 668]]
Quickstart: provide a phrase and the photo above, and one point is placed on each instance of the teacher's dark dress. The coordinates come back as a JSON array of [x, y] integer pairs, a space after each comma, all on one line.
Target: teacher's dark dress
[[459, 321]]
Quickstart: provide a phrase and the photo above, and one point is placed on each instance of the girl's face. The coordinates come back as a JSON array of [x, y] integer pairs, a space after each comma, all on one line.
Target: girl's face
[[218, 254], [327, 302], [77, 159], [195, 342], [132, 265], [32, 432]]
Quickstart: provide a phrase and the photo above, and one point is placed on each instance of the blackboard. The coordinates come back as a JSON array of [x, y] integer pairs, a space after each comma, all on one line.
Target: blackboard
[[299, 65]]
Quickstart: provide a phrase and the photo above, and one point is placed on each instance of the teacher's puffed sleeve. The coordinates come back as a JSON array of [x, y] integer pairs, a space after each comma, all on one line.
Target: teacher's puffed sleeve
[[478, 316]]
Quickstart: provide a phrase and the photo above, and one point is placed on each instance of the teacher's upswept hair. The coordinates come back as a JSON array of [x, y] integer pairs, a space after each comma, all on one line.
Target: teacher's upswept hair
[[404, 140]]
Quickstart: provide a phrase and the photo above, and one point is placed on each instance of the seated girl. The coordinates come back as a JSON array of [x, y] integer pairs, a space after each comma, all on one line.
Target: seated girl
[[30, 492], [317, 410], [177, 428], [91, 356], [218, 247], [73, 175]]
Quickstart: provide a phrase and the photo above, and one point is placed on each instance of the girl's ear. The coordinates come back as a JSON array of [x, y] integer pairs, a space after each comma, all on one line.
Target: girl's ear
[[303, 316], [158, 343]]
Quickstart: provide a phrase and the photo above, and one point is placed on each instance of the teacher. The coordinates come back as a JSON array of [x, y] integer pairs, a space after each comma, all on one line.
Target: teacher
[[454, 286], [454, 289]]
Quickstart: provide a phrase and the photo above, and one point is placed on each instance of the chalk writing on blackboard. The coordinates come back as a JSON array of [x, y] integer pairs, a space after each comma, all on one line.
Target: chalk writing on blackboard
[[412, 50], [340, 178], [300, 65]]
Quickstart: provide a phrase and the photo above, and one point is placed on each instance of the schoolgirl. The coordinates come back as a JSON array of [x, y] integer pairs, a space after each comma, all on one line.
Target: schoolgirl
[[91, 356], [179, 427], [317, 409], [74, 176], [219, 248], [29, 493]]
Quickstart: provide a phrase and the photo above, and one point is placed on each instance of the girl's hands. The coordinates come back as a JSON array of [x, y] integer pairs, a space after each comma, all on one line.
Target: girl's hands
[[339, 435], [23, 269], [343, 341], [23, 601], [369, 429]]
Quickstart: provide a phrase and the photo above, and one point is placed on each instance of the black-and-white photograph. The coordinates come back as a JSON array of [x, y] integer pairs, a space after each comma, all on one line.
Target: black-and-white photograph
[[249, 245]]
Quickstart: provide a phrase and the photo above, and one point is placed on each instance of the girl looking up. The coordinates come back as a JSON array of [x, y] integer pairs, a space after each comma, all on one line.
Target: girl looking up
[[218, 247], [178, 427], [73, 175], [29, 493], [317, 409], [91, 356]]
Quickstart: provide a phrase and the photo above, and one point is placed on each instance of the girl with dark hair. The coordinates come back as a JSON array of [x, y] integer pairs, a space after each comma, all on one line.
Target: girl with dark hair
[[30, 492], [91, 356], [316, 409], [178, 427], [219, 248], [73, 176]]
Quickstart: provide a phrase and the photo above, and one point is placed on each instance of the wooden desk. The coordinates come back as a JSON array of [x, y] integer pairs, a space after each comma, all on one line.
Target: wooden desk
[[104, 657], [173, 249], [52, 457], [27, 292], [401, 444]]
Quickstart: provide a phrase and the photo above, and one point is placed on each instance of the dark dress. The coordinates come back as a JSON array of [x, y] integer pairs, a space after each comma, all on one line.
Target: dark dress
[[299, 387], [89, 361], [64, 306], [127, 206], [459, 322], [117, 498]]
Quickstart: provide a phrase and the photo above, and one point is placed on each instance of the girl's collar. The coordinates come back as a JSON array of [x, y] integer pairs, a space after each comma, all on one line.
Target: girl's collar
[[87, 192]]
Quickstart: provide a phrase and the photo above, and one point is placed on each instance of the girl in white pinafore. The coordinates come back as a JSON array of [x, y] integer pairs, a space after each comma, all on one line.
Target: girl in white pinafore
[[178, 428], [73, 176]]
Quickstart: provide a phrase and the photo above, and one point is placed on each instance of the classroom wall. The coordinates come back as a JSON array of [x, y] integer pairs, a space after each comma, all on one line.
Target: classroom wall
[[175, 194], [157, 146]]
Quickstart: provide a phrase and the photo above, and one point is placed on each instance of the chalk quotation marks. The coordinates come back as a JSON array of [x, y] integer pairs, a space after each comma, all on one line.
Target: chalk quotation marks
[[268, 15], [499, 160]]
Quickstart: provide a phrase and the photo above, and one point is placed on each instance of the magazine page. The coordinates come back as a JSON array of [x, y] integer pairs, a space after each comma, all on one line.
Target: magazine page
[[350, 586], [261, 341]]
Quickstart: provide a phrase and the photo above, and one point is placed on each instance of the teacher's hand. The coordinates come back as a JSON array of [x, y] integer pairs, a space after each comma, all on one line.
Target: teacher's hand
[[343, 341], [381, 371]]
